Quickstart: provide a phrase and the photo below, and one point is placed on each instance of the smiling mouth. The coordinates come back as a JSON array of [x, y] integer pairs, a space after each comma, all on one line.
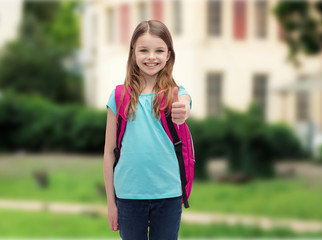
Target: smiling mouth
[[151, 64]]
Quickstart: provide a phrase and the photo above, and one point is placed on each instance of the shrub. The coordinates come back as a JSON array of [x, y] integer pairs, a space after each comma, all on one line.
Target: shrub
[[249, 144], [33, 123], [208, 137]]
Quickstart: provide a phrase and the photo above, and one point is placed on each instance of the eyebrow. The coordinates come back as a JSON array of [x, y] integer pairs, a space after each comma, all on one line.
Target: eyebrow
[[147, 47]]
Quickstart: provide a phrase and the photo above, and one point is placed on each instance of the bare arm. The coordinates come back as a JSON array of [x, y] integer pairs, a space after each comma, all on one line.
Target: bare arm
[[109, 159]]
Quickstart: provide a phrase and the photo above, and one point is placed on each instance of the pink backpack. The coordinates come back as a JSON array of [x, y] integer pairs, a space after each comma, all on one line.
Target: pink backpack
[[179, 136]]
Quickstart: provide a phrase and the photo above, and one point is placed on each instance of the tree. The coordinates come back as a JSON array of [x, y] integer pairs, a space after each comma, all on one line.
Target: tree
[[59, 19], [301, 22], [64, 31], [34, 63]]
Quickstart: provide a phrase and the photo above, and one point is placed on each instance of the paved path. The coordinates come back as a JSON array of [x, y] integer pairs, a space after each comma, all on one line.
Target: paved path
[[188, 216]]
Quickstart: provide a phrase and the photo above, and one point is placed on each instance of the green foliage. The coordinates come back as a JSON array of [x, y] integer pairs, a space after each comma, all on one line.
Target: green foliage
[[58, 20], [33, 123], [248, 149], [250, 145], [44, 12], [34, 63], [302, 24], [27, 70], [65, 29], [208, 138], [88, 130], [285, 143]]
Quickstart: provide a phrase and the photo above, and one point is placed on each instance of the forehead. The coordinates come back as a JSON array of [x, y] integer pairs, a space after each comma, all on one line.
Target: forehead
[[150, 41]]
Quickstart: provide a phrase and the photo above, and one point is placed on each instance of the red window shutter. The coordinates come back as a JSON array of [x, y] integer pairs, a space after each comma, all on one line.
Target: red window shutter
[[157, 10], [280, 33], [125, 23], [240, 19]]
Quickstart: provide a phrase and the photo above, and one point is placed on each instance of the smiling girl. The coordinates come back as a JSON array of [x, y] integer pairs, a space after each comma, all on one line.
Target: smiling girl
[[144, 191]]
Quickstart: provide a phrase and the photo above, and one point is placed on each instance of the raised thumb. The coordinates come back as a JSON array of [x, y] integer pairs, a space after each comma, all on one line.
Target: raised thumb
[[175, 92]]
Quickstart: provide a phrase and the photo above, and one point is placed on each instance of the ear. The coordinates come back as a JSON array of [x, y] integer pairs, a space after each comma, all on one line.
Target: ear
[[169, 54]]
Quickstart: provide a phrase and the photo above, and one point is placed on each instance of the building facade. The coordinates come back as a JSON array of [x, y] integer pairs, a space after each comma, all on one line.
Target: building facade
[[228, 53], [10, 18]]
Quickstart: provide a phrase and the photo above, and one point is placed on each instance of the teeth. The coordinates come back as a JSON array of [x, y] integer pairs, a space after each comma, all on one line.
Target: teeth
[[150, 65]]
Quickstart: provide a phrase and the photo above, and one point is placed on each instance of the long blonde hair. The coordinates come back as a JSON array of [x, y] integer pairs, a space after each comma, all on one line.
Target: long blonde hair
[[164, 80]]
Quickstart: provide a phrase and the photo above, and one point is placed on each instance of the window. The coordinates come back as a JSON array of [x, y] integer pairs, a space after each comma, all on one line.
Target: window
[[240, 19], [302, 105], [214, 92], [93, 30], [177, 13], [261, 18], [260, 91], [125, 23], [157, 10], [110, 25], [214, 18], [143, 11]]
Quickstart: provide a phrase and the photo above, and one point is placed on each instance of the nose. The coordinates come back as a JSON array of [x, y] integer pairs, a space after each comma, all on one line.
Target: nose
[[151, 55]]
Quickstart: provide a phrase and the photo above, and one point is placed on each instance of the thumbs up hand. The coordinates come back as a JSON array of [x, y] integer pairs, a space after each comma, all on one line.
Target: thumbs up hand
[[179, 111]]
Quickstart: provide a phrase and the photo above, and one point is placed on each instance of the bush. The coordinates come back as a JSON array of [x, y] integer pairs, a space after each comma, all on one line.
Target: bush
[[88, 130], [35, 124], [248, 148], [208, 138], [250, 145], [285, 143]]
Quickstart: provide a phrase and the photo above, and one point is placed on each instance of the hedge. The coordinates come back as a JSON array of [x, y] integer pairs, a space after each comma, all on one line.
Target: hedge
[[31, 123]]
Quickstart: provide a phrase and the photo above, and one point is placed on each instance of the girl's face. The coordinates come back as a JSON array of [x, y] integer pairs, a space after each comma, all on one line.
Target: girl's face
[[151, 55]]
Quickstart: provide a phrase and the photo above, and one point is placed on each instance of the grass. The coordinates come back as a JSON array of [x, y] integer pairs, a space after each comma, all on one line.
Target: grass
[[74, 178], [18, 224], [276, 198], [71, 178]]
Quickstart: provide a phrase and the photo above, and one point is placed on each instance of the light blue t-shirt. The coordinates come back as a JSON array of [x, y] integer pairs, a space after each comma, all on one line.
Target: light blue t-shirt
[[148, 167]]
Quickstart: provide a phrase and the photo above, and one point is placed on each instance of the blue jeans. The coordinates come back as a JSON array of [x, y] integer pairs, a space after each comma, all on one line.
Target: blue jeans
[[161, 216]]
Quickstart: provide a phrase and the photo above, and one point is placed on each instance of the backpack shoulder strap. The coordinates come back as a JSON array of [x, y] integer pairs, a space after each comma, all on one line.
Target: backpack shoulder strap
[[121, 118], [172, 130], [126, 100]]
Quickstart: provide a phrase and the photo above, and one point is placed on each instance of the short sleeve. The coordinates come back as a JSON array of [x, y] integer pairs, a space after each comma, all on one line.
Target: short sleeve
[[183, 91], [111, 102]]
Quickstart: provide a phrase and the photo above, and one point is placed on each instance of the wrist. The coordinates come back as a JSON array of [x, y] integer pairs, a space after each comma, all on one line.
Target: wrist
[[111, 204]]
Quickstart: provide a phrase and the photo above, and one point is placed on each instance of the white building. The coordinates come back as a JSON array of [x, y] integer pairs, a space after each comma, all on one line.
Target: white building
[[227, 53], [10, 18]]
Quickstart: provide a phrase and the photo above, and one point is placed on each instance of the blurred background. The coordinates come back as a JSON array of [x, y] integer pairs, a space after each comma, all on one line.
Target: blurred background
[[253, 69]]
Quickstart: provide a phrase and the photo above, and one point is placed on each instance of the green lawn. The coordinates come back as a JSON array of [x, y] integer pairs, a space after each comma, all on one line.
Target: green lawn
[[22, 224], [74, 179], [275, 198]]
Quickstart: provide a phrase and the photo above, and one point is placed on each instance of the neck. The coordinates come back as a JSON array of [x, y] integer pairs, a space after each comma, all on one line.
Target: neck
[[149, 84]]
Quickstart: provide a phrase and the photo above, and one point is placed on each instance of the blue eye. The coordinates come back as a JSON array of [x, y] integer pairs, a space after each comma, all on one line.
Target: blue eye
[[142, 50], [160, 51]]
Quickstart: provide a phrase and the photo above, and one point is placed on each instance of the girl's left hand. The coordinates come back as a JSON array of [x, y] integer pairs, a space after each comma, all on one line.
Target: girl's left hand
[[179, 111]]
